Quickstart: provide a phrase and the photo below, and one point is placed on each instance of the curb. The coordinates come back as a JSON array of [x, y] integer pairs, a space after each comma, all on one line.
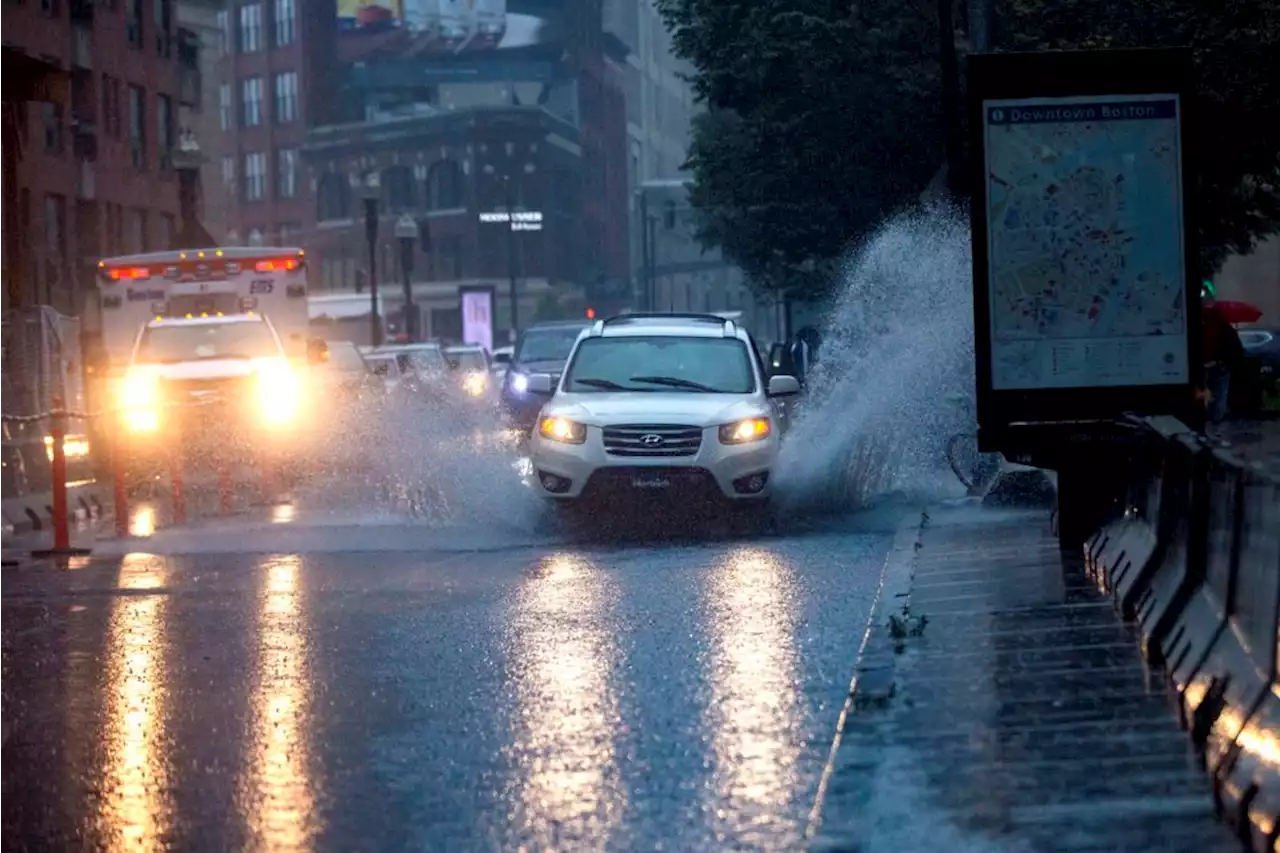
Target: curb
[[35, 512], [875, 665]]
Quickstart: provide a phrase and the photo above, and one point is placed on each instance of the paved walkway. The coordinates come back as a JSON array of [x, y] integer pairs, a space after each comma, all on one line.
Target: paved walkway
[[1022, 717], [1254, 440]]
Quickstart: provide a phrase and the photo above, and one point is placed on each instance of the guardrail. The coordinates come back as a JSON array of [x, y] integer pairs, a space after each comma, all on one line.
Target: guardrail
[[1195, 562], [59, 512]]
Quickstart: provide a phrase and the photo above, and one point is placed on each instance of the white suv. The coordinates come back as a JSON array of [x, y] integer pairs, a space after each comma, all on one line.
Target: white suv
[[660, 403]]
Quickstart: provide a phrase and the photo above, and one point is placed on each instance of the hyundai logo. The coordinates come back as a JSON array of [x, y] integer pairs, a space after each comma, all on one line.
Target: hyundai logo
[[652, 440]]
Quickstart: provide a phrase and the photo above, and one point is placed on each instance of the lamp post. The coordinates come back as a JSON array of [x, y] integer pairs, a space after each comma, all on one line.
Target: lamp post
[[406, 231], [372, 189], [511, 255]]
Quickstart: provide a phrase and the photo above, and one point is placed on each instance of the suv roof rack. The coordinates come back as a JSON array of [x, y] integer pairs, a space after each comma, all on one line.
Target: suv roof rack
[[728, 326]]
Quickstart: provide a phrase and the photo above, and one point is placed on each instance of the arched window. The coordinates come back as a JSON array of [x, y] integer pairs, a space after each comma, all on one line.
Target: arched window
[[398, 183], [255, 237], [333, 198], [444, 186]]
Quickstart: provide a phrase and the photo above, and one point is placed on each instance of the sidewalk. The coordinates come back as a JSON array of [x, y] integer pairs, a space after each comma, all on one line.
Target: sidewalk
[[1020, 718], [1252, 440]]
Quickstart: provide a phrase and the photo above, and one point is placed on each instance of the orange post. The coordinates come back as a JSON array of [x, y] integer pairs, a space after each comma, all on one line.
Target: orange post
[[58, 470], [58, 429]]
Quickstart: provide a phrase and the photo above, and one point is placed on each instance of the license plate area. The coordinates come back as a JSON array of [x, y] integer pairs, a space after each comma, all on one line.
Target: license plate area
[[650, 482]]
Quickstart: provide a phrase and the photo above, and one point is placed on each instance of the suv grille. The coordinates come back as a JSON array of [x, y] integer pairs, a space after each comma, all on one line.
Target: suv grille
[[646, 440]]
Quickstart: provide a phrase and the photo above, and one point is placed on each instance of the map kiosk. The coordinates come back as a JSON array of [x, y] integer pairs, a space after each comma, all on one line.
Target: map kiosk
[[1085, 265]]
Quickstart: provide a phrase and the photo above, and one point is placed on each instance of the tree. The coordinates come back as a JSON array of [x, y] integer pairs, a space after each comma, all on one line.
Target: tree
[[1235, 44], [821, 120]]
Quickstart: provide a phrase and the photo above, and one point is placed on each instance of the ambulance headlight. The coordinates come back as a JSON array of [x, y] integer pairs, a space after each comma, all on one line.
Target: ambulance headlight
[[139, 401], [279, 392]]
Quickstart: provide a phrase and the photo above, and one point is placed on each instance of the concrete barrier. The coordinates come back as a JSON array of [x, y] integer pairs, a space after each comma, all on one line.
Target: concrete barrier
[[1195, 561]]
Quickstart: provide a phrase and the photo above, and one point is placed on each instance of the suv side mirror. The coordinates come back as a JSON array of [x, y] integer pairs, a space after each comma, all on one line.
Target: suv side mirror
[[783, 386], [540, 383]]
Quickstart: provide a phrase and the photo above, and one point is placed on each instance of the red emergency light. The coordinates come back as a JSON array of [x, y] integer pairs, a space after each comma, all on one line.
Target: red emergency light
[[117, 273], [281, 265]]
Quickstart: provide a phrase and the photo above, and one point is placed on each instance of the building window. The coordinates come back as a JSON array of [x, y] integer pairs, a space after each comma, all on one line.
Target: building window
[[55, 226], [285, 15], [255, 237], [251, 28], [255, 176], [138, 126], [164, 130], [164, 25], [224, 33], [287, 172], [251, 98], [333, 198], [224, 107], [133, 23], [287, 231], [399, 184], [229, 175], [137, 236], [444, 186], [286, 97], [51, 118], [168, 230]]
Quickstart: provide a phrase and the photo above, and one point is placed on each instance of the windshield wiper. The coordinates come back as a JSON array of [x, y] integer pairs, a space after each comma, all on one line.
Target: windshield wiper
[[606, 384], [675, 382]]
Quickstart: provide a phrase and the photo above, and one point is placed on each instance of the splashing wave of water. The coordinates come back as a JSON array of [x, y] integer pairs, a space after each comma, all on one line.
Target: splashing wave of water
[[898, 340]]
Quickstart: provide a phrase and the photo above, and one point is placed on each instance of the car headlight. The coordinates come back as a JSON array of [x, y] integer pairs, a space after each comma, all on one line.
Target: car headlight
[[519, 383], [475, 384], [562, 430], [278, 392], [745, 431]]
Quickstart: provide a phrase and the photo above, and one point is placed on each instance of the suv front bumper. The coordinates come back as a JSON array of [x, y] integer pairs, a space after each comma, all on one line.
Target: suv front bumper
[[733, 472]]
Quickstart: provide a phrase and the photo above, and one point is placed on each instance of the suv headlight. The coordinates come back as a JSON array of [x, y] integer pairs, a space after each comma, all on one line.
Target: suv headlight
[[519, 382], [562, 430], [745, 431]]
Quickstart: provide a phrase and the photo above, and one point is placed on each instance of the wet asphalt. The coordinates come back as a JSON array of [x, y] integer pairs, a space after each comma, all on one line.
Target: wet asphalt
[[548, 694]]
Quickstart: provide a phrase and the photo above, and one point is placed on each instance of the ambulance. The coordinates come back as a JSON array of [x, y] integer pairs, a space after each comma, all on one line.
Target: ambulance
[[200, 345]]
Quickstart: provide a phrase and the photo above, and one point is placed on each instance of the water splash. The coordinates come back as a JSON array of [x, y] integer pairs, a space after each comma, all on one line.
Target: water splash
[[438, 459], [899, 339]]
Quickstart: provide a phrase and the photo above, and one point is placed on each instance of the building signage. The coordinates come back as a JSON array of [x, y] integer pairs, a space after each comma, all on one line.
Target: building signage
[[477, 316], [521, 220], [1085, 282]]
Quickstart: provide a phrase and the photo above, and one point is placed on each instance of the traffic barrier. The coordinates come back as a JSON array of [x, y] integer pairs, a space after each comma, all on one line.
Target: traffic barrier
[[1195, 561], [63, 504]]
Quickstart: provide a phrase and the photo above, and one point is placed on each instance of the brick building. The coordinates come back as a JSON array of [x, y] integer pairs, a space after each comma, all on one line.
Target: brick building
[[275, 76], [455, 132], [92, 94]]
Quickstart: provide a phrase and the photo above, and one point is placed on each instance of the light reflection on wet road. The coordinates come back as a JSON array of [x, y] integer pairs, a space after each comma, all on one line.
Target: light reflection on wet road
[[616, 697]]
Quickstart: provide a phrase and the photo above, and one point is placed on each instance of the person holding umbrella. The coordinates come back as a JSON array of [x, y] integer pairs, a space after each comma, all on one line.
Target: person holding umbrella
[[1223, 352]]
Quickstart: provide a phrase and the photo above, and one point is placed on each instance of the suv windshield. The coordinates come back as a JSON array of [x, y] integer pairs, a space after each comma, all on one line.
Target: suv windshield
[[661, 363], [193, 342], [552, 344]]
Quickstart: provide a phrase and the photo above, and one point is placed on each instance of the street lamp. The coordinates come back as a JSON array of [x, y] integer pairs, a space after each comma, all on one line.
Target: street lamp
[[372, 190], [406, 231], [511, 255]]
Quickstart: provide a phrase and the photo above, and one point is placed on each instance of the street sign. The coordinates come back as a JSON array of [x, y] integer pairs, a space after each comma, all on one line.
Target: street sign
[[1085, 281]]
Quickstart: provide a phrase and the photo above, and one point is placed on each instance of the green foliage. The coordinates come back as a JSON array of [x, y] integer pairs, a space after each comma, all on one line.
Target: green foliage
[[821, 121], [1237, 124]]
